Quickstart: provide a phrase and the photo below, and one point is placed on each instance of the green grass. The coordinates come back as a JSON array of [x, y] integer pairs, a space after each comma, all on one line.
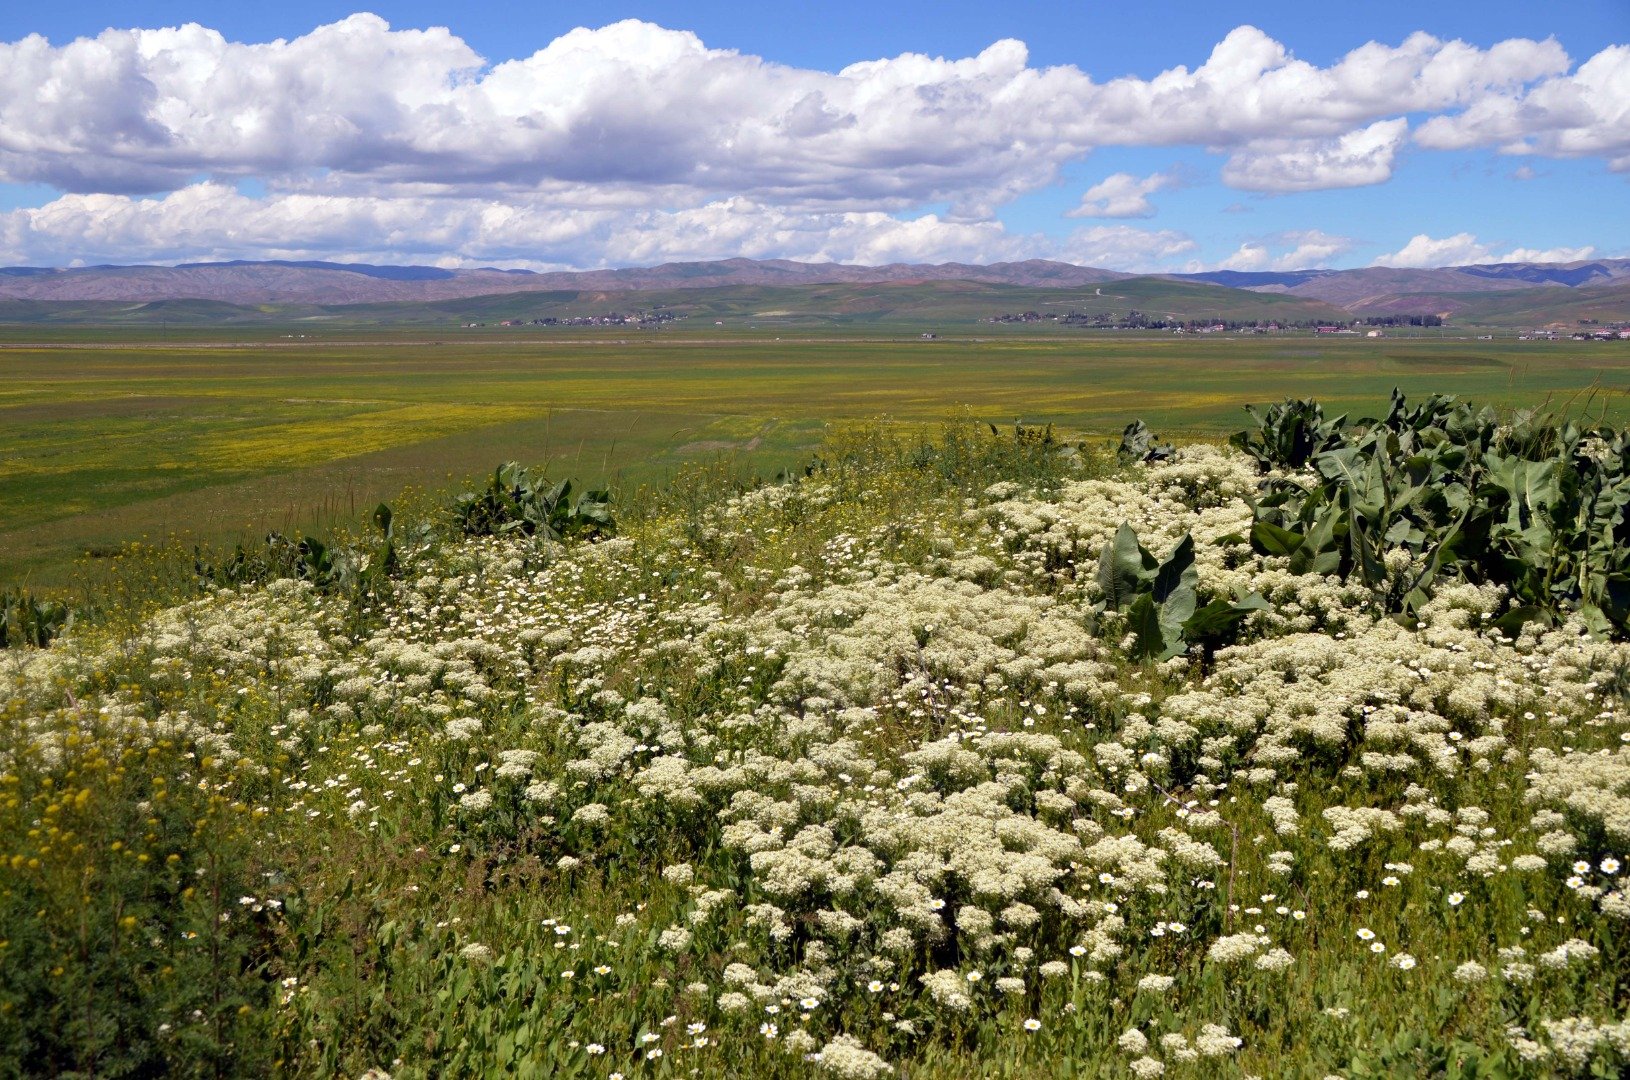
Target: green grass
[[108, 436], [433, 827]]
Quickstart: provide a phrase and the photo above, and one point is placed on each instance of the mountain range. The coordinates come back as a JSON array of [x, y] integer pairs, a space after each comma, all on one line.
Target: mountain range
[[278, 282], [1391, 290], [1369, 291]]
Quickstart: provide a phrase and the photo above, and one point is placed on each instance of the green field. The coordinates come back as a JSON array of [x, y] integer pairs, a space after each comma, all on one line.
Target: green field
[[113, 436]]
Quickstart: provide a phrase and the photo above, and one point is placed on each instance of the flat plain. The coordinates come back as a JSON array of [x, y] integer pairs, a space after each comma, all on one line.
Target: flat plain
[[880, 773], [108, 437]]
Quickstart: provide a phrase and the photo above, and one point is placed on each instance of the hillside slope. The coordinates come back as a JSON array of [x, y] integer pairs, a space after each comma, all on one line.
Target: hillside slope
[[1369, 287], [323, 282], [315, 282], [925, 304], [1546, 307]]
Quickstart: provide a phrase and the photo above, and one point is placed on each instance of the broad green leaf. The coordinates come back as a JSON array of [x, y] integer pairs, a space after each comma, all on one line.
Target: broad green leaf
[[1269, 539], [1143, 620], [1345, 466], [1120, 568], [1403, 532], [1317, 553], [1176, 586], [1614, 598], [1514, 620], [1176, 572], [1596, 621], [1366, 558], [1220, 617]]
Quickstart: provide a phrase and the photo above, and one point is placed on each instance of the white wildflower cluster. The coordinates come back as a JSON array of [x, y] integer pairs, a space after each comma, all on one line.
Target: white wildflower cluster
[[1234, 948], [846, 1057], [911, 762]]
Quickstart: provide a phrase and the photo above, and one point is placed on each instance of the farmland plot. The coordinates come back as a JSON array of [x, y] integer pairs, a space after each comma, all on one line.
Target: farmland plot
[[958, 756]]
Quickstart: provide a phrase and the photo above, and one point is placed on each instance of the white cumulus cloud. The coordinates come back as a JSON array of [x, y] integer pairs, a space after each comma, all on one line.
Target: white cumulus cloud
[[1356, 159], [1123, 247], [1464, 249], [1307, 249], [213, 220], [1549, 255], [1122, 195], [1583, 114], [407, 142], [637, 104]]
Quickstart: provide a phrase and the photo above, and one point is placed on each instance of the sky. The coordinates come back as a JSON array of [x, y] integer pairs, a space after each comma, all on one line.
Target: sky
[[1162, 136]]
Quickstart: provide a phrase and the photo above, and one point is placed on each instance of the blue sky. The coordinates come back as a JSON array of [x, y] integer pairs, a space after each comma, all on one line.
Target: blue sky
[[1104, 39], [642, 143]]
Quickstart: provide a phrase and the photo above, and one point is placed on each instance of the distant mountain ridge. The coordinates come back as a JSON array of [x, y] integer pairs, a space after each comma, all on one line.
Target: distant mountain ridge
[[1510, 275], [387, 273], [1260, 280], [289, 282], [1390, 290], [1370, 290], [900, 305]]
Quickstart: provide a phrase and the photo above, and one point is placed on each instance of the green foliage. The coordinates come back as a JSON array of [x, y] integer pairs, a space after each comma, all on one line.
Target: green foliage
[[26, 619], [517, 500], [962, 457], [356, 570], [1033, 454], [1160, 598], [1536, 504], [1289, 434], [277, 556], [1138, 443], [125, 949]]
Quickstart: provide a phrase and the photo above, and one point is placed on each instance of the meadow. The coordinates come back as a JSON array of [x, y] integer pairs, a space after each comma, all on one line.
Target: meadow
[[963, 753], [114, 436]]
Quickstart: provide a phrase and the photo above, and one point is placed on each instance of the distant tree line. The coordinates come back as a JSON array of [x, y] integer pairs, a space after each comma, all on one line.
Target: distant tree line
[[1404, 320], [1139, 320]]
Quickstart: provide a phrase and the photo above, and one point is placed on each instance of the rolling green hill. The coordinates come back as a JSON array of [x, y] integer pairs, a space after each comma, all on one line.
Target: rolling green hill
[[152, 313], [924, 305], [913, 306], [1533, 308]]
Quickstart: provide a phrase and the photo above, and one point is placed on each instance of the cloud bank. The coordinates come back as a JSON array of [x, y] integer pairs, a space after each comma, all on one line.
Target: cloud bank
[[1464, 249], [609, 142], [215, 221]]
